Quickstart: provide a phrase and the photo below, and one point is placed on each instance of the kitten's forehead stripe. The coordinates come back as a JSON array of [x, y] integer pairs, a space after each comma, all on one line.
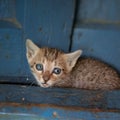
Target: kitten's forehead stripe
[[55, 63], [51, 54]]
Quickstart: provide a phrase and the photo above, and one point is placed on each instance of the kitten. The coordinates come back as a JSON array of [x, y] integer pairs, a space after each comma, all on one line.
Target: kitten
[[52, 67]]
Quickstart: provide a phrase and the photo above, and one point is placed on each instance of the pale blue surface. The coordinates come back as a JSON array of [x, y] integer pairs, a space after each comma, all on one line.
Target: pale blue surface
[[103, 44]]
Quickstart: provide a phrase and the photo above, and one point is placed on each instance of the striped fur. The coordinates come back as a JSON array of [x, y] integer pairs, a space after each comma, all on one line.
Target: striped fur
[[86, 73]]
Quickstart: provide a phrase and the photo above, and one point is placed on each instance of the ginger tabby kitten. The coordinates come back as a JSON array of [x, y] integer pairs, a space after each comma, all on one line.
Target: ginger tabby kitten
[[52, 67]]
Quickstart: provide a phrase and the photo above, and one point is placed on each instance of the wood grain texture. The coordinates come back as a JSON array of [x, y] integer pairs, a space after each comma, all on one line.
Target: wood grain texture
[[62, 97], [35, 103]]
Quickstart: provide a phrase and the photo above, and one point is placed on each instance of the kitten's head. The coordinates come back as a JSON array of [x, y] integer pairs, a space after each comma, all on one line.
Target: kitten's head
[[48, 65]]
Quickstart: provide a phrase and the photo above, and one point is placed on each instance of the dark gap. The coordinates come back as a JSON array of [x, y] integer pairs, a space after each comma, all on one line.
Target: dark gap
[[28, 81], [74, 22], [14, 83]]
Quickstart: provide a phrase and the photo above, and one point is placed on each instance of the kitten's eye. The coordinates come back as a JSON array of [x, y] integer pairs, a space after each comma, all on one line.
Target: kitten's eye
[[39, 67], [57, 71]]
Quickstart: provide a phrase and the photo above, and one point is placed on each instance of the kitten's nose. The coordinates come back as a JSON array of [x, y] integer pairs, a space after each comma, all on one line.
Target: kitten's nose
[[46, 78]]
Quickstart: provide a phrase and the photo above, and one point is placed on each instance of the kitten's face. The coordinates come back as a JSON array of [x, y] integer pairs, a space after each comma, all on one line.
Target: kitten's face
[[49, 66]]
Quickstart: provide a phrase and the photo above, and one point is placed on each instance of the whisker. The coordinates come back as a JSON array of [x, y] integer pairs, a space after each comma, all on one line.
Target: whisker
[[31, 84]]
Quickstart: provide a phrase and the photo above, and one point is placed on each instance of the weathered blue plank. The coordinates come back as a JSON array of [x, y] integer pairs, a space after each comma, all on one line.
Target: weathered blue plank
[[101, 42], [97, 30], [19, 116], [50, 23], [42, 21], [7, 9], [47, 112], [10, 52], [98, 11], [48, 26], [9, 13], [63, 97]]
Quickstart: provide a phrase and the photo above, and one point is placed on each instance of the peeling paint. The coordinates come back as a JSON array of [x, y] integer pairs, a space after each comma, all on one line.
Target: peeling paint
[[55, 114], [13, 21]]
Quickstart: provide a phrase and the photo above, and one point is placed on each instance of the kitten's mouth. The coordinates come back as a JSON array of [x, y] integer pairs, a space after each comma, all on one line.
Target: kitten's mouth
[[44, 85]]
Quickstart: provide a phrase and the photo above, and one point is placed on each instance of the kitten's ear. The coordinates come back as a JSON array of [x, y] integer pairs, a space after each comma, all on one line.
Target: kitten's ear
[[31, 49], [71, 58]]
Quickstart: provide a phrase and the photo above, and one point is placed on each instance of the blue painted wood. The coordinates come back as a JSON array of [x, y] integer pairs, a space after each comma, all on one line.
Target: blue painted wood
[[8, 14], [61, 97], [7, 9], [99, 43], [50, 23], [97, 30], [98, 11], [47, 112], [42, 21], [10, 52], [34, 103]]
